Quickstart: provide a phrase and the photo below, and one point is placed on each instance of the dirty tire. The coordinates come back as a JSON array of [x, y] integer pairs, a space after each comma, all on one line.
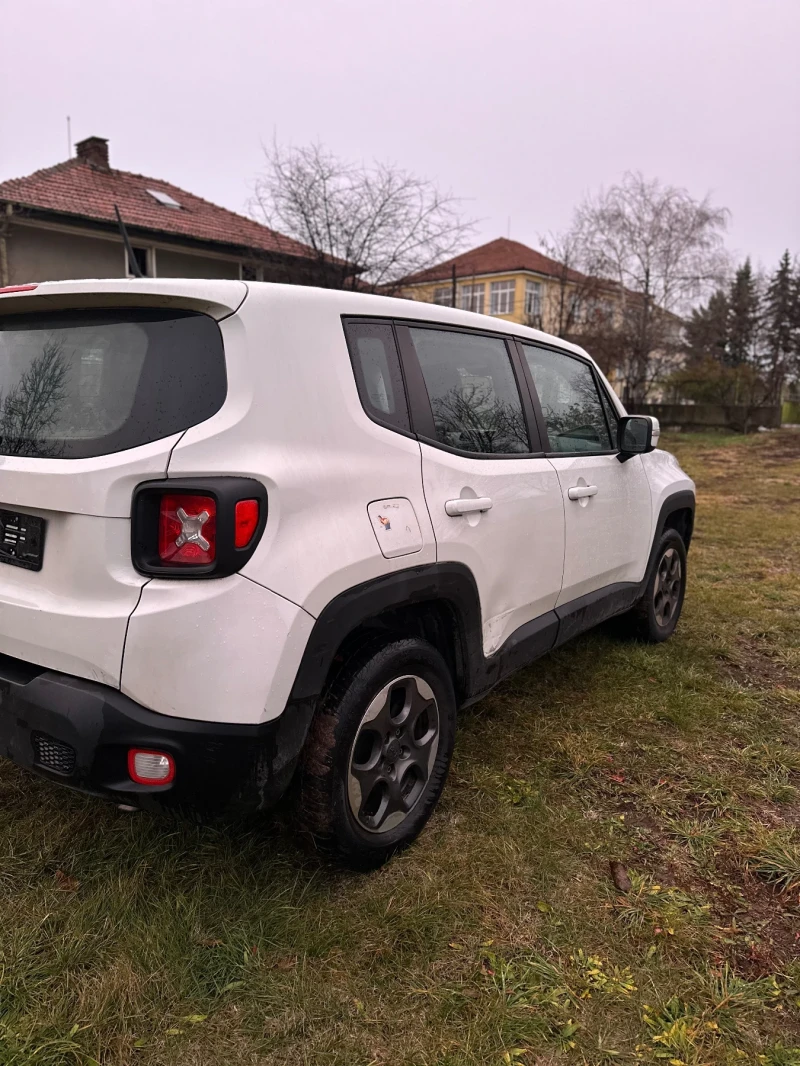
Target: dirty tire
[[405, 683], [656, 615]]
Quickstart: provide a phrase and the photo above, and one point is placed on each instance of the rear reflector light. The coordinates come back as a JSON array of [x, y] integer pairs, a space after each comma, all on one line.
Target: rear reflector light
[[246, 522], [187, 529], [18, 288], [150, 767]]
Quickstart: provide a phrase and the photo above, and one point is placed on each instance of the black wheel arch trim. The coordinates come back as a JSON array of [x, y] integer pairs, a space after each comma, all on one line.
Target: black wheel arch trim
[[684, 500], [450, 583]]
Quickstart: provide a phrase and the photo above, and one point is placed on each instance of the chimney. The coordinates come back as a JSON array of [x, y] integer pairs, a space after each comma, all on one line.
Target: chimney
[[93, 150]]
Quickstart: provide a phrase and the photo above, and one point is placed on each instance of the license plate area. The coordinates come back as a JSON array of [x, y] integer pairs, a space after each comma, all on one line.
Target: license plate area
[[21, 539]]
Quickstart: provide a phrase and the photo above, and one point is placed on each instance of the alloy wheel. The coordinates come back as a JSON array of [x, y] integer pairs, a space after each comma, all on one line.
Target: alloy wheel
[[393, 754], [667, 588]]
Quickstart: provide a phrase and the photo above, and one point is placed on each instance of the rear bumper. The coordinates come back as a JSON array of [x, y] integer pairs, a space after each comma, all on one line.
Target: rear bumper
[[77, 733]]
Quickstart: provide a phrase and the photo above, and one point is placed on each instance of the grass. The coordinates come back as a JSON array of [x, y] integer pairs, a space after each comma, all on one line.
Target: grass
[[501, 936]]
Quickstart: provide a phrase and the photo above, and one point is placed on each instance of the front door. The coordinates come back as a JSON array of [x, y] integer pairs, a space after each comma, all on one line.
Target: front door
[[606, 503], [495, 505]]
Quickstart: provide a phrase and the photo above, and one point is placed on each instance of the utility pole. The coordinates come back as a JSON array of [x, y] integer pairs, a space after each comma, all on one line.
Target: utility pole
[[454, 285]]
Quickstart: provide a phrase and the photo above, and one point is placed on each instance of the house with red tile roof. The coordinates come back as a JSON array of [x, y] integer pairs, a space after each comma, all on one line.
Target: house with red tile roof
[[60, 223], [510, 280]]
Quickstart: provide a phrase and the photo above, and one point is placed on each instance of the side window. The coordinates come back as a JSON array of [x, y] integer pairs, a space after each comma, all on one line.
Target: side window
[[611, 414], [377, 369], [571, 406], [473, 391]]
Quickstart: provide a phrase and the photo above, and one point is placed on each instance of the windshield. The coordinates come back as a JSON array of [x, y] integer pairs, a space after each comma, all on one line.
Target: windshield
[[86, 383]]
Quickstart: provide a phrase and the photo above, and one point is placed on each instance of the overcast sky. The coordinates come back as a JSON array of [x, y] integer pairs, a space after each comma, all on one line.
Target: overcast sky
[[519, 107]]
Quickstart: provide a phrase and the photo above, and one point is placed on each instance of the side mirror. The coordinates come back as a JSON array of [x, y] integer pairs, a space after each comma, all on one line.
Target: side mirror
[[636, 435]]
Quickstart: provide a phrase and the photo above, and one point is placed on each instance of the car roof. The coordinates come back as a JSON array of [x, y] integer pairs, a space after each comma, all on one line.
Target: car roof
[[222, 297], [347, 302]]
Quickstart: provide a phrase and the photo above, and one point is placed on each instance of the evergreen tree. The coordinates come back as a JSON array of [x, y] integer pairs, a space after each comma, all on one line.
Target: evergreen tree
[[743, 317], [782, 328], [707, 330]]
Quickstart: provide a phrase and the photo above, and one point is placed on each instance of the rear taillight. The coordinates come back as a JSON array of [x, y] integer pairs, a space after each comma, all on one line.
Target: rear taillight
[[147, 767], [187, 529], [18, 288], [246, 520], [196, 527]]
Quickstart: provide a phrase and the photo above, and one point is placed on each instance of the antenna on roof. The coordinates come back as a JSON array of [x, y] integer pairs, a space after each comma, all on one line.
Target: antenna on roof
[[133, 266], [69, 138]]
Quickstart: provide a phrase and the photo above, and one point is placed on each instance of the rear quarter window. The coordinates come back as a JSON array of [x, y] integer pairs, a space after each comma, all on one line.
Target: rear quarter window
[[85, 383]]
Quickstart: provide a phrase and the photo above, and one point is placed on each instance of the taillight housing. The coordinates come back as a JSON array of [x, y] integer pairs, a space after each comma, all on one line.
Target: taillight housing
[[196, 527]]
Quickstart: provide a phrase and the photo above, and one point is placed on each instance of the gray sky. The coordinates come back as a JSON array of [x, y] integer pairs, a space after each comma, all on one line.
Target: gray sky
[[519, 107]]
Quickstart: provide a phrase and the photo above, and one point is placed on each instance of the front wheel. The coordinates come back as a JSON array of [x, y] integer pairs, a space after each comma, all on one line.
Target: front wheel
[[378, 752], [656, 615]]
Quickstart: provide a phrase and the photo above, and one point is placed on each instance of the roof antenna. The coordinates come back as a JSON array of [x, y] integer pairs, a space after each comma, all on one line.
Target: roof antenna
[[133, 266], [69, 138]]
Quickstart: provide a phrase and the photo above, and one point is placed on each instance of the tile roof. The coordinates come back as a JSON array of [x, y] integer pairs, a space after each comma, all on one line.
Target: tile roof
[[501, 256], [77, 187]]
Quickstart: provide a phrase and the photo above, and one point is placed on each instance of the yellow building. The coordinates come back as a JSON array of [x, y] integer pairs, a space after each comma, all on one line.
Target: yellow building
[[506, 279]]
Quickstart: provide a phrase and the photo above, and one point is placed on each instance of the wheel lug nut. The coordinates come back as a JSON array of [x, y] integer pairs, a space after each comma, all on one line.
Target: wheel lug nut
[[398, 732]]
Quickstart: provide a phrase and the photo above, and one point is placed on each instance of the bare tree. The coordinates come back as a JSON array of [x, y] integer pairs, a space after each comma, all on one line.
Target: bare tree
[[30, 410], [368, 226], [564, 301], [657, 250]]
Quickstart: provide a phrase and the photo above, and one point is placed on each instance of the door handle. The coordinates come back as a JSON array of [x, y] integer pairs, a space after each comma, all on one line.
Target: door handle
[[580, 492], [468, 506]]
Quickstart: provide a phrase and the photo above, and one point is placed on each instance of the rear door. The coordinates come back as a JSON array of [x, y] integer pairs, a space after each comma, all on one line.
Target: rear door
[[91, 403], [493, 498], [606, 502]]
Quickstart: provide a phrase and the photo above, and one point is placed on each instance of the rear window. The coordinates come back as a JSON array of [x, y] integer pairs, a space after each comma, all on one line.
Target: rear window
[[84, 383]]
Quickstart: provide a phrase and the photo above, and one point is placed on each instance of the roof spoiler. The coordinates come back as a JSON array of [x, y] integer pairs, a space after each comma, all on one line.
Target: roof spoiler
[[219, 299]]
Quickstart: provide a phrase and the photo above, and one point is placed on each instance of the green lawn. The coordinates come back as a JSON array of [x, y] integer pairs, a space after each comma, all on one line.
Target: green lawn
[[500, 937]]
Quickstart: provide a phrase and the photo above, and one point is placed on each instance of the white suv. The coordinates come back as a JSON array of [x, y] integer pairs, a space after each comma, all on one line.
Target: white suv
[[249, 529]]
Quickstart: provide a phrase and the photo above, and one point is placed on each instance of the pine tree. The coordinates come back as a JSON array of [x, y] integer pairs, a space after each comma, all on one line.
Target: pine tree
[[782, 328], [743, 317], [707, 330]]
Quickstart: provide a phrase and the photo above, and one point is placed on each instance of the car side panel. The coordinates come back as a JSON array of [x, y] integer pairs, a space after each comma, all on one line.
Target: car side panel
[[299, 428], [214, 651], [666, 479]]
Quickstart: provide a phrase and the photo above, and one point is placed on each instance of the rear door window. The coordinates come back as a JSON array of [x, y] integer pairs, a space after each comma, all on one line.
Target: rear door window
[[86, 383], [570, 401], [473, 391]]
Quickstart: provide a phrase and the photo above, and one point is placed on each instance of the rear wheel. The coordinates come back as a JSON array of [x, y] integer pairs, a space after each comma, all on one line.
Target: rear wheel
[[656, 615], [378, 752]]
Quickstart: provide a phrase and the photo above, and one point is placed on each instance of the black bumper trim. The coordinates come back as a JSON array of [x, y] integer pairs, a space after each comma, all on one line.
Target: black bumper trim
[[221, 768]]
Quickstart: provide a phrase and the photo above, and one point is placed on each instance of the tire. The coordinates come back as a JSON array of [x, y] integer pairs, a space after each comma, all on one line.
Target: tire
[[365, 791], [656, 615]]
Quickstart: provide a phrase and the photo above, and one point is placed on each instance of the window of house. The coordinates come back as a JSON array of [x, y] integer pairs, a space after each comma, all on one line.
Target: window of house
[[164, 198], [471, 297], [140, 255], [605, 310], [571, 404], [473, 391], [443, 296], [377, 371], [533, 299], [502, 297]]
